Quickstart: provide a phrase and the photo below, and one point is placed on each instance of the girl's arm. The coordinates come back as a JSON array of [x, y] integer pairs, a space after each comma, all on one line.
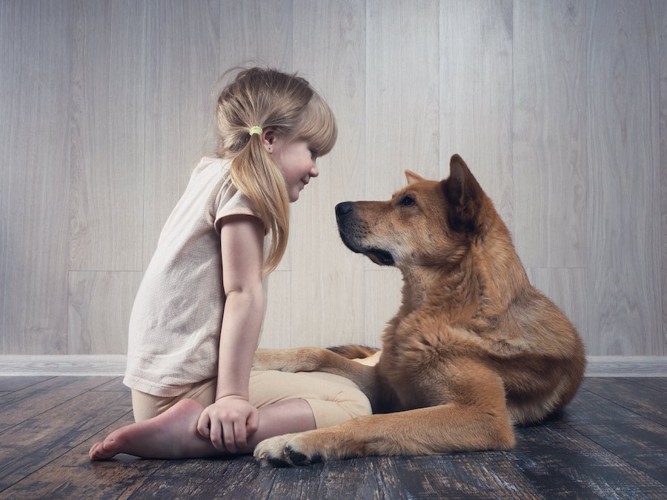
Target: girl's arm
[[231, 418]]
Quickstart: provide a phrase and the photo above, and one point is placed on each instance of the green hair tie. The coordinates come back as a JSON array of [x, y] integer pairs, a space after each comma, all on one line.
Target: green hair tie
[[255, 130]]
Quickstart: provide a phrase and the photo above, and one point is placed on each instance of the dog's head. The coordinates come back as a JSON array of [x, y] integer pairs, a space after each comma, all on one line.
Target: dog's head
[[426, 223]]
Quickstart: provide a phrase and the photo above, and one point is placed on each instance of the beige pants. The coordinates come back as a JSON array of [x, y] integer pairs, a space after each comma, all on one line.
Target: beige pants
[[332, 398]]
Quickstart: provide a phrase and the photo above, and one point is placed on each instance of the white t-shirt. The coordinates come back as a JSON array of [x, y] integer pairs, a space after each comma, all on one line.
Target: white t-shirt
[[174, 329]]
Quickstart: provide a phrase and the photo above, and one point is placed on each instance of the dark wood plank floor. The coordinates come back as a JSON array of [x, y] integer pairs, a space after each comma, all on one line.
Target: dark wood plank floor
[[610, 443]]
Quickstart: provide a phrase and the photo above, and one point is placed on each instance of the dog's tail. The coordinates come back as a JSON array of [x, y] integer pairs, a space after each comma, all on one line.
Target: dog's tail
[[354, 351]]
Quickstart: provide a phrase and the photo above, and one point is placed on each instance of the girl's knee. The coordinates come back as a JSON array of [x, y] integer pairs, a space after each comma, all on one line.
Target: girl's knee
[[356, 404], [343, 406]]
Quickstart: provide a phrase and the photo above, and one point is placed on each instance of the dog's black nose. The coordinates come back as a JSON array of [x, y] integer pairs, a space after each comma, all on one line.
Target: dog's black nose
[[344, 208]]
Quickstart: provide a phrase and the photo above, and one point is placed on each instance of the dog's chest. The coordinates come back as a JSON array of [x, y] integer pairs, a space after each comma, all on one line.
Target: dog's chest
[[406, 386], [414, 358], [409, 378]]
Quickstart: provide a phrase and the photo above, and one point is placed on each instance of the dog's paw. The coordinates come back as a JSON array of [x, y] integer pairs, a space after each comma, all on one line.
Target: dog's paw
[[287, 360], [265, 359], [285, 451]]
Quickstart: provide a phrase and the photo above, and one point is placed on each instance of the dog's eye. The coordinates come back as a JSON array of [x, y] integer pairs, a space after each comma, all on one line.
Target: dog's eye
[[407, 201]]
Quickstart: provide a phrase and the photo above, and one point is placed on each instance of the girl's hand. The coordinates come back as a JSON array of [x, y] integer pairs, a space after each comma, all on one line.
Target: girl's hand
[[228, 422]]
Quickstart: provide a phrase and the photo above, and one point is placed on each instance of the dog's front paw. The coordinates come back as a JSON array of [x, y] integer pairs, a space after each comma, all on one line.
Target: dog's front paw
[[265, 359], [285, 451], [286, 360], [304, 359]]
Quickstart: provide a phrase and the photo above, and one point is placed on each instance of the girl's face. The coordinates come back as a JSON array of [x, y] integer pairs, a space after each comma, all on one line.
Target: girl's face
[[297, 163]]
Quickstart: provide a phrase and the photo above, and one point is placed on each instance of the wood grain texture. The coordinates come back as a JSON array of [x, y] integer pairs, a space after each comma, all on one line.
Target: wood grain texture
[[567, 289], [383, 298], [560, 108], [22, 455], [623, 221], [607, 444], [109, 116], [402, 92], [256, 33], [277, 328], [100, 304], [34, 174], [183, 52], [25, 402], [550, 132], [661, 13], [476, 94], [11, 384]]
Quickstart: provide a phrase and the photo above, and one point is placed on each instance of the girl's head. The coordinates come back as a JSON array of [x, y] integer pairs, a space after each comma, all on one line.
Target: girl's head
[[291, 116]]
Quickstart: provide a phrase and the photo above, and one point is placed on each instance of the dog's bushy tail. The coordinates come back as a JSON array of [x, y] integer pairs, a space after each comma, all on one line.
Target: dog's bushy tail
[[354, 351]]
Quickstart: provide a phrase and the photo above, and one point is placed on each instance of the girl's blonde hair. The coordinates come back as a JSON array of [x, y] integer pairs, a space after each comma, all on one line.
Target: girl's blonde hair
[[287, 105]]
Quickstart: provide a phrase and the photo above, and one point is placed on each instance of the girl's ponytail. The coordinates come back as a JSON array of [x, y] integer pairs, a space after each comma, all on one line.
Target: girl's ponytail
[[256, 176]]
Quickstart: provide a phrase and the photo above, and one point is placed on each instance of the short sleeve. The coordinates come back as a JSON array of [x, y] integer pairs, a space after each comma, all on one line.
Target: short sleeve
[[237, 204]]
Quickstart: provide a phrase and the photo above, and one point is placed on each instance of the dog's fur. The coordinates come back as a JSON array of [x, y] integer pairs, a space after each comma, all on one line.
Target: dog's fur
[[473, 349]]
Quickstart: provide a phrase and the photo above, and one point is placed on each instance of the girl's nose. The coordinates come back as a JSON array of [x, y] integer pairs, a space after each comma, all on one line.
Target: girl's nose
[[314, 172]]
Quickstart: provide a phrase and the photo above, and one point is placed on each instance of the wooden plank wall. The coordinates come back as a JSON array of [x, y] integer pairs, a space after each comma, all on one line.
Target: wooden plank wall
[[560, 109]]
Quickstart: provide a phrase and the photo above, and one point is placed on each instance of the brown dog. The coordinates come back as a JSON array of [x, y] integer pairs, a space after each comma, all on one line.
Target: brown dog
[[473, 349]]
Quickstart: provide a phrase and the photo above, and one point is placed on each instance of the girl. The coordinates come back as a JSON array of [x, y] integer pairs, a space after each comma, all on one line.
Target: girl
[[197, 316]]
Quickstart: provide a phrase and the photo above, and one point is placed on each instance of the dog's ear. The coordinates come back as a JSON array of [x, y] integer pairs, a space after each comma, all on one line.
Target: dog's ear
[[464, 195], [412, 177]]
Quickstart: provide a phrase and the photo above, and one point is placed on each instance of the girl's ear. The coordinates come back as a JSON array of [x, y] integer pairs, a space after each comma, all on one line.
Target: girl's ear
[[268, 139]]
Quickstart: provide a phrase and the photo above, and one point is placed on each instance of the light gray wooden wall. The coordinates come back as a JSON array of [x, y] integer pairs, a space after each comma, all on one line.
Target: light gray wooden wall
[[559, 107]]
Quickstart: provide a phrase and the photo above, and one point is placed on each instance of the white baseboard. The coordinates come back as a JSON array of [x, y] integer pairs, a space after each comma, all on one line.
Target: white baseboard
[[626, 366], [63, 365], [114, 365]]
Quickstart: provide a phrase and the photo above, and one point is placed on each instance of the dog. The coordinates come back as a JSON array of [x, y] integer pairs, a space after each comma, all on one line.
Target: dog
[[473, 350]]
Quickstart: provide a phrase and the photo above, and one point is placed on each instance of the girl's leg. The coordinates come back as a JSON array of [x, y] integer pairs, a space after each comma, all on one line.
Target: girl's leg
[[333, 399], [287, 402], [173, 434]]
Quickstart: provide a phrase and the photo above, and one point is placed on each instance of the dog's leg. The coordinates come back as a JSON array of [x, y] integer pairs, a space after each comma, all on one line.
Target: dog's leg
[[310, 359], [425, 431], [303, 359], [474, 420]]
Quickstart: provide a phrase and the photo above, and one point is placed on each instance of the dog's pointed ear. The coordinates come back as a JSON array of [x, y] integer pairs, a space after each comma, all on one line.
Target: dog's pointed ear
[[464, 195], [412, 177]]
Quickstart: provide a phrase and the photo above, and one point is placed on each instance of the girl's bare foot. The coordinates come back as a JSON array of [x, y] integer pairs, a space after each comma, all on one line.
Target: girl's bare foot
[[172, 434]]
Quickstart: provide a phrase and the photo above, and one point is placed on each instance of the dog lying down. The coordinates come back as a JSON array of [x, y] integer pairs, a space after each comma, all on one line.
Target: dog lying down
[[473, 349]]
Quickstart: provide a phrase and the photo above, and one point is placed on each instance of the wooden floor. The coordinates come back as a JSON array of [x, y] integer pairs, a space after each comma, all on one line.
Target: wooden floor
[[610, 443]]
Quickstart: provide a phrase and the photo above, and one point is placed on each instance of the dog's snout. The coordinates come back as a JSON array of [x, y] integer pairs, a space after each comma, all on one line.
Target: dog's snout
[[343, 209]]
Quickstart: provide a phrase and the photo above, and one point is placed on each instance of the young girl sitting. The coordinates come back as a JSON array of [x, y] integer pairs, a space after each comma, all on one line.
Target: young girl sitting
[[198, 312]]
